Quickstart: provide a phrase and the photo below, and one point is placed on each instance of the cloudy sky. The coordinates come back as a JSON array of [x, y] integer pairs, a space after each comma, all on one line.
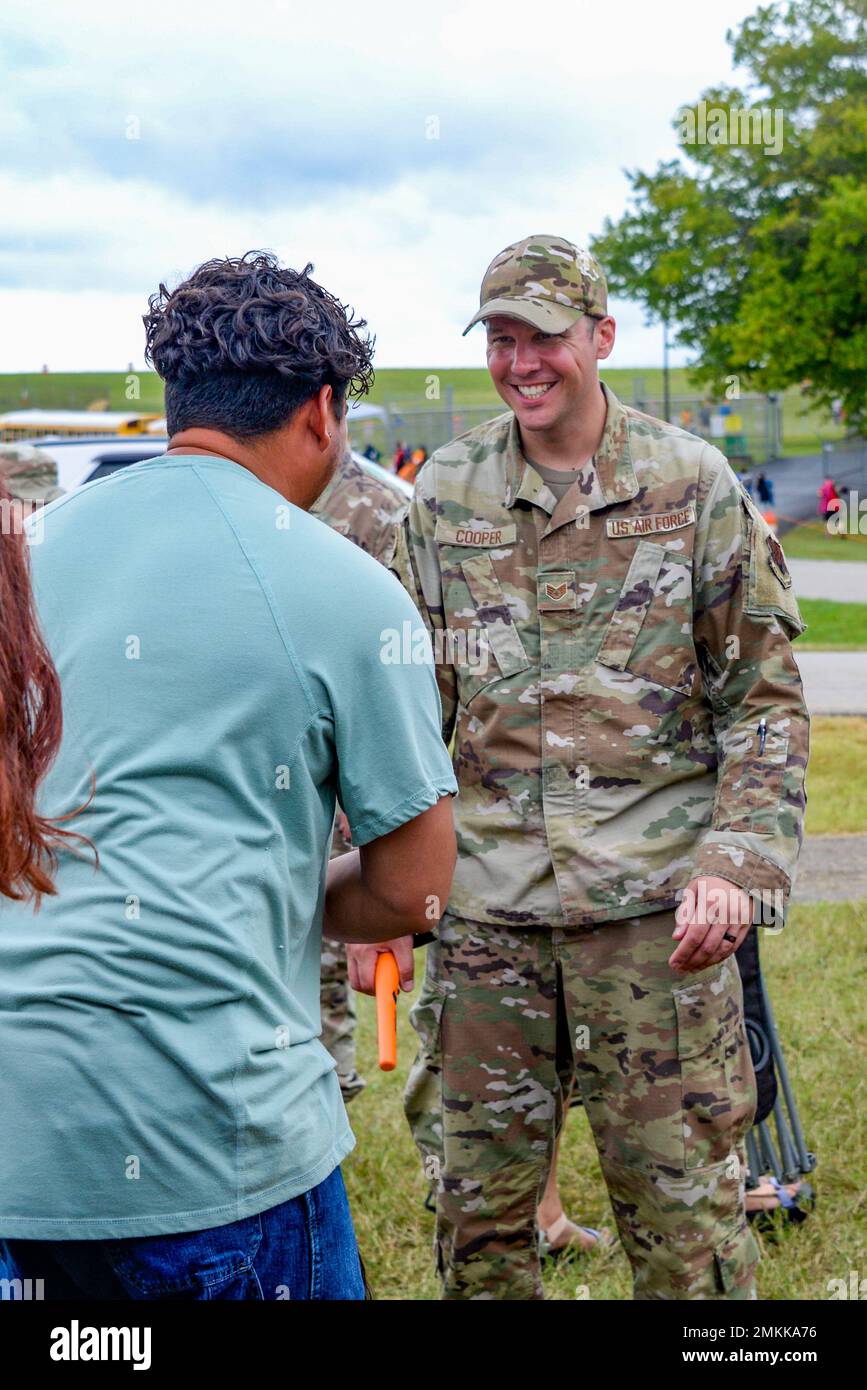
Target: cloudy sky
[[397, 146]]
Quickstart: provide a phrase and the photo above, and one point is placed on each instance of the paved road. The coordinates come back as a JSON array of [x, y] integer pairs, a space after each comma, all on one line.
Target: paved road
[[796, 487], [832, 868], [797, 482], [834, 682], [843, 580]]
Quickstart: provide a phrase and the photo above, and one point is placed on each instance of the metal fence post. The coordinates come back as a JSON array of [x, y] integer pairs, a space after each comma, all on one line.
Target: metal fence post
[[450, 411], [389, 436], [827, 451]]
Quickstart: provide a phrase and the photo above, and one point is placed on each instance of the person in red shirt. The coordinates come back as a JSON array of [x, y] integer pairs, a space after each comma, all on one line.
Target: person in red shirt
[[829, 498]]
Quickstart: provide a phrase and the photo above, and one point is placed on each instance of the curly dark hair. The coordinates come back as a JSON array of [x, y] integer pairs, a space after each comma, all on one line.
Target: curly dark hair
[[244, 341]]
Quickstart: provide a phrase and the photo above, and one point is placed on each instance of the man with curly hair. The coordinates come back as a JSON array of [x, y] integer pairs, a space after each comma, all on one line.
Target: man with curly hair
[[173, 1126]]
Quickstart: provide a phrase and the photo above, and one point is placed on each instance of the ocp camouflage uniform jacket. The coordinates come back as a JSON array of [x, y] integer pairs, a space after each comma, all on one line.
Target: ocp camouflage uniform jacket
[[361, 507], [635, 635], [366, 510]]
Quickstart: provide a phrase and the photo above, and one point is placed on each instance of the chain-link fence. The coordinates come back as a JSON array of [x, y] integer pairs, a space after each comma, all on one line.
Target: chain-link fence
[[432, 427], [846, 464], [748, 430], [419, 427]]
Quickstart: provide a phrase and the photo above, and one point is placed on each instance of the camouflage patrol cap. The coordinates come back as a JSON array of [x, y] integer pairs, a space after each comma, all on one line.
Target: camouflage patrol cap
[[544, 281], [29, 473]]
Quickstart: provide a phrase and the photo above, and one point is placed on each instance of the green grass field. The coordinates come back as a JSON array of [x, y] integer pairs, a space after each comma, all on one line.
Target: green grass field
[[803, 432], [836, 786], [833, 627], [811, 541], [408, 385], [816, 977]]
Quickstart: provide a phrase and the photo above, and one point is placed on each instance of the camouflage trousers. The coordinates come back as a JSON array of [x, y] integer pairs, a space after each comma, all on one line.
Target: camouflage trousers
[[337, 1006], [336, 999], [508, 1021]]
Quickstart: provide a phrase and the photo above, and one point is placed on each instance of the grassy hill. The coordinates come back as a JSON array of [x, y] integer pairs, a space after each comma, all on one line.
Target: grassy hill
[[399, 387], [471, 386]]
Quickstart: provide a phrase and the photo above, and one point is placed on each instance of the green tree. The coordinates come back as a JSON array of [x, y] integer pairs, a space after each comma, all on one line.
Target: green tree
[[756, 251]]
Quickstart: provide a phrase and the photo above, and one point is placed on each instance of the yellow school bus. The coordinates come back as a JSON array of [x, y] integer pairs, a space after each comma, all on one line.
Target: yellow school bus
[[64, 424]]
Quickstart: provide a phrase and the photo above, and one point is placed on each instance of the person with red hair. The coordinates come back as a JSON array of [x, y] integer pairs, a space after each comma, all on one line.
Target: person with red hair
[[30, 723]]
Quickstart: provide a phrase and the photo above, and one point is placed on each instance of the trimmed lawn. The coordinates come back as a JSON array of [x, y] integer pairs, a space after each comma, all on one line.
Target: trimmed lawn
[[811, 541], [836, 781], [817, 976], [832, 626]]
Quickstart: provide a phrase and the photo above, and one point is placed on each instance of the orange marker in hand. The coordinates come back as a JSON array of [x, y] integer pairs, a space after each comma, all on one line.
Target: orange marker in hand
[[387, 983]]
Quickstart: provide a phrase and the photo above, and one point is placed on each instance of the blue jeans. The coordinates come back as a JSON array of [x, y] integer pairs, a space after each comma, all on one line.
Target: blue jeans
[[303, 1248]]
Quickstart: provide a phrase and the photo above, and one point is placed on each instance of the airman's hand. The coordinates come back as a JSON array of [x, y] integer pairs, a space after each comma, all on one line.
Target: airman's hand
[[712, 921]]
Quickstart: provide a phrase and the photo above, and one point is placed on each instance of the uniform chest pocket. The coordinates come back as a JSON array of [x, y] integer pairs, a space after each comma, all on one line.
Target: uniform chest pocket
[[486, 644], [649, 634]]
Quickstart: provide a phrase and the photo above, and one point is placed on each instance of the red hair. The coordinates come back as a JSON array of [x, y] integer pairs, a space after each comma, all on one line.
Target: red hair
[[31, 724]]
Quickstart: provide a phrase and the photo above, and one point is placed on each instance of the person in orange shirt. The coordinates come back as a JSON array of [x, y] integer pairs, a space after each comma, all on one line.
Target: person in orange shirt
[[410, 467]]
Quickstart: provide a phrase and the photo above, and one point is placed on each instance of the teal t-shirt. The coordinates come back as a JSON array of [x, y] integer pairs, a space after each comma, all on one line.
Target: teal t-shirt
[[221, 659]]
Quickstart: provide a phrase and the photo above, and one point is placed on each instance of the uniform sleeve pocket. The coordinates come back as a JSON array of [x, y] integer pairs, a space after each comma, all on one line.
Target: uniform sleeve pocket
[[750, 786]]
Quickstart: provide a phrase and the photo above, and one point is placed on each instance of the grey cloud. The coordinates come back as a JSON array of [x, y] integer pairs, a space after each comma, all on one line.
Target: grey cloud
[[210, 135]]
